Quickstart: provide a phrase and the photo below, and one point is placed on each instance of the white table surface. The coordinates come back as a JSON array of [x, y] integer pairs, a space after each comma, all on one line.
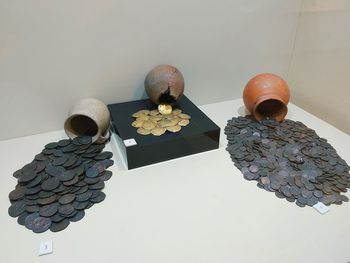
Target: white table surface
[[192, 209]]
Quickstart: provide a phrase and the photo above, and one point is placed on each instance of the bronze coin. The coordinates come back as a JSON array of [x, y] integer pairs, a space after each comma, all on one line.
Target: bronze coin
[[49, 210], [66, 199], [59, 226], [47, 200]]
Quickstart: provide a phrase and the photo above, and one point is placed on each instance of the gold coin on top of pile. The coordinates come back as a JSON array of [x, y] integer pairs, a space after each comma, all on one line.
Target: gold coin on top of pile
[[176, 112], [143, 131], [184, 116], [137, 123], [183, 122], [157, 131], [165, 109], [175, 128], [149, 125]]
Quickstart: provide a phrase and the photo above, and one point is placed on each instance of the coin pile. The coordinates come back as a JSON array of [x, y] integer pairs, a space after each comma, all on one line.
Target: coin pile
[[288, 158], [59, 184], [153, 122]]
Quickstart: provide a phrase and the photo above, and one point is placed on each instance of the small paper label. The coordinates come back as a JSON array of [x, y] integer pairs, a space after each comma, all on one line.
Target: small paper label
[[45, 248], [130, 142], [321, 208]]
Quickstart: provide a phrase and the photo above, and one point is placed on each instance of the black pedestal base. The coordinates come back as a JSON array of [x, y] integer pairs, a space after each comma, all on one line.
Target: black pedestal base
[[202, 134]]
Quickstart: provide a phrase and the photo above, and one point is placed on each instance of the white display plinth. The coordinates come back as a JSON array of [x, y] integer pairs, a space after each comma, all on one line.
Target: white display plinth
[[192, 209]]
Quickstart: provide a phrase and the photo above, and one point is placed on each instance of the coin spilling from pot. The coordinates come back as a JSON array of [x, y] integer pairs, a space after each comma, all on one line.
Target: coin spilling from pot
[[266, 96], [164, 86]]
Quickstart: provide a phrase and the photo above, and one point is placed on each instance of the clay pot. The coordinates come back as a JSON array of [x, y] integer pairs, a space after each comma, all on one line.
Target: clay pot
[[88, 117], [164, 84], [266, 96]]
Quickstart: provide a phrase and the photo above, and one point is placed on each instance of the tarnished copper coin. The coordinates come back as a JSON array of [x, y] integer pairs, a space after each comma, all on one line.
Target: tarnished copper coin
[[41, 224], [54, 188]]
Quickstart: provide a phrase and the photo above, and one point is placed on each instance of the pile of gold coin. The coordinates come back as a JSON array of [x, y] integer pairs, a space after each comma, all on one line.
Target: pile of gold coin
[[155, 123]]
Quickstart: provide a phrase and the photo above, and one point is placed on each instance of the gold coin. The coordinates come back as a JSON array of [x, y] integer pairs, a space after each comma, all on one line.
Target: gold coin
[[154, 112], [144, 111], [155, 118], [168, 117], [165, 109], [176, 112], [138, 114], [166, 123], [184, 122], [157, 131], [184, 116], [175, 128], [148, 125], [142, 118], [177, 119], [137, 123], [143, 131]]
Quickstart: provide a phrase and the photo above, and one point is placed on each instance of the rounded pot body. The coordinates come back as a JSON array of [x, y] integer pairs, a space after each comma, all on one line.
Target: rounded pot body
[[164, 84], [266, 96], [88, 117]]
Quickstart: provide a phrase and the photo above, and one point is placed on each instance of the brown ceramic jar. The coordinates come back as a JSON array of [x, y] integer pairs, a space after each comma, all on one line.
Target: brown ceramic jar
[[266, 96], [164, 84]]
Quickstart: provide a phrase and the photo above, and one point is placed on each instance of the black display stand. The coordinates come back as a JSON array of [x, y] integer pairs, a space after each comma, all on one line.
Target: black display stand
[[202, 134]]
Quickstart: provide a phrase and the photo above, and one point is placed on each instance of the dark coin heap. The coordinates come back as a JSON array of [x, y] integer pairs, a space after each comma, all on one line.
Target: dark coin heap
[[59, 184], [288, 158]]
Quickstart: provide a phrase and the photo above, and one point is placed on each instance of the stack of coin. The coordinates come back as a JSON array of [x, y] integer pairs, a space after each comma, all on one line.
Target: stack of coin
[[155, 123], [288, 158], [59, 184]]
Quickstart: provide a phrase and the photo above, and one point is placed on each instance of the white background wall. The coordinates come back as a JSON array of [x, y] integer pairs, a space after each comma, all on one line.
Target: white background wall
[[320, 68], [55, 52]]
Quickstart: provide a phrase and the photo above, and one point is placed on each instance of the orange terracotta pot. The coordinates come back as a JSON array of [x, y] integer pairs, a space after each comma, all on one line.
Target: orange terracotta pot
[[266, 96]]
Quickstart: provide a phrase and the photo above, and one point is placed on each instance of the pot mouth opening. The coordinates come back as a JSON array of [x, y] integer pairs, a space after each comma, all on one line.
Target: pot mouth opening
[[81, 125], [166, 98], [270, 109]]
